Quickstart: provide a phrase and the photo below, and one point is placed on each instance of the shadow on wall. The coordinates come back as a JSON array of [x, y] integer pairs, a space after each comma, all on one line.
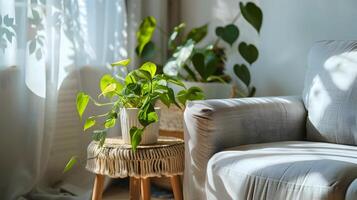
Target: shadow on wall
[[69, 138]]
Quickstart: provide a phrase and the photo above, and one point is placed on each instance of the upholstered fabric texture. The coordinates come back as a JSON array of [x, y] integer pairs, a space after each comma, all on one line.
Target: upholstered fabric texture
[[295, 170], [212, 125], [330, 93], [277, 170]]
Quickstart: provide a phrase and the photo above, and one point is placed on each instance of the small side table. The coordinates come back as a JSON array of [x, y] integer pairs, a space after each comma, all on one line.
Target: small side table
[[117, 160]]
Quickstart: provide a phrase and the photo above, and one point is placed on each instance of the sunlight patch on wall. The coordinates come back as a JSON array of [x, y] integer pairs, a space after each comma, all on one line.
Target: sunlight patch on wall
[[319, 100], [343, 69]]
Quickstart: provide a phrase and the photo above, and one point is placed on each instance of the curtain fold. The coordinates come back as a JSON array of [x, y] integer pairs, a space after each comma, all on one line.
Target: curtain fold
[[50, 50]]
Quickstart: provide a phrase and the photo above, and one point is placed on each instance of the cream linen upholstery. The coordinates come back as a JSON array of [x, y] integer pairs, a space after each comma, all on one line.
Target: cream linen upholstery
[[330, 92], [278, 170], [296, 170], [212, 125]]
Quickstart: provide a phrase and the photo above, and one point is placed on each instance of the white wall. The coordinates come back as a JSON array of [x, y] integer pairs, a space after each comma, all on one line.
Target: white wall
[[289, 29]]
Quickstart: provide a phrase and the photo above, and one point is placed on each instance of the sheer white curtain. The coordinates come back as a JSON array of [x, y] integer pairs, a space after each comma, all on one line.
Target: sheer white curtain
[[50, 49]]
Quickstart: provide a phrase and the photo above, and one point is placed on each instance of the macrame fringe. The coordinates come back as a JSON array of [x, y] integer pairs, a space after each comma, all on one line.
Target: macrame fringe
[[120, 162]]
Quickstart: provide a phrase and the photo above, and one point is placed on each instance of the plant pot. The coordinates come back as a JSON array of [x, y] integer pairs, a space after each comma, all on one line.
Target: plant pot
[[211, 90], [129, 119]]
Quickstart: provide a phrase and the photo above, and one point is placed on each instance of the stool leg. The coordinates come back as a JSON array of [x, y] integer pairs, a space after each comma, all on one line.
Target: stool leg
[[145, 189], [134, 188], [98, 187], [176, 187]]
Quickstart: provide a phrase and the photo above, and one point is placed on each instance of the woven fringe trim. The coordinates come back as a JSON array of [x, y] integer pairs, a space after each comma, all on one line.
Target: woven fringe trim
[[122, 162]]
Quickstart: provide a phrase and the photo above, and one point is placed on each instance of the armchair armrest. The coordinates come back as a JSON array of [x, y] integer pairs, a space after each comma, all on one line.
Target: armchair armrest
[[213, 125]]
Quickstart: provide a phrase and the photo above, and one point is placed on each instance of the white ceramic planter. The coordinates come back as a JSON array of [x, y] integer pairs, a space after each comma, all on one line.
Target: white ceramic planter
[[211, 90], [129, 118]]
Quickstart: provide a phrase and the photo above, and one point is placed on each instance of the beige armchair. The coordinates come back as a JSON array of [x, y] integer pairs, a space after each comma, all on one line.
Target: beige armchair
[[278, 148]]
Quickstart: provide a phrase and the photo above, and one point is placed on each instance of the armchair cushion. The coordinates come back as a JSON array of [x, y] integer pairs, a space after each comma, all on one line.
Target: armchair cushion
[[330, 92], [282, 171]]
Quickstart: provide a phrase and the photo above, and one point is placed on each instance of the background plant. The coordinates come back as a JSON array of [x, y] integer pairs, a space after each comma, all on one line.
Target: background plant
[[190, 62]]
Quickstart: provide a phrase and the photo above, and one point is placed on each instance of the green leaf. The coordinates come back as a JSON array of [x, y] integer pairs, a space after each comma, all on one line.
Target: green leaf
[[198, 61], [143, 74], [249, 52], [253, 14], [145, 32], [130, 78], [174, 35], [149, 67], [135, 137], [109, 123], [123, 63], [147, 114], [164, 98], [190, 72], [175, 81], [211, 63], [242, 72], [110, 88], [70, 164], [149, 51], [228, 33], [197, 34], [89, 123], [105, 81], [193, 93], [81, 102], [172, 97]]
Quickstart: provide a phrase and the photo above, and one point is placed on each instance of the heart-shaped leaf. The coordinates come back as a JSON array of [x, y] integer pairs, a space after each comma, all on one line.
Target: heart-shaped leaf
[[149, 51], [253, 14], [110, 122], [248, 52], [149, 67], [89, 123], [228, 33], [105, 81], [123, 63], [242, 72], [145, 32], [70, 164], [197, 34], [82, 102], [198, 61], [135, 137]]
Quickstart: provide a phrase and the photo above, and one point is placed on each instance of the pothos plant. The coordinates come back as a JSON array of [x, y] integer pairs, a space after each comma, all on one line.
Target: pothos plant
[[140, 88], [188, 60]]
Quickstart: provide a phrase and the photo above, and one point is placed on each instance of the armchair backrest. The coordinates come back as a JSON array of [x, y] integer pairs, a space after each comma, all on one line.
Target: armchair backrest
[[330, 92]]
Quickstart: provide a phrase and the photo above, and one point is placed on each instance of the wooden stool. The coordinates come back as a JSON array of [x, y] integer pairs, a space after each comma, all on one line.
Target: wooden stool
[[116, 159]]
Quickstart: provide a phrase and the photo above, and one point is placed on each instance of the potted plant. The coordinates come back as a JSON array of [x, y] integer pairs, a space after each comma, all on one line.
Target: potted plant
[[132, 99], [204, 67]]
